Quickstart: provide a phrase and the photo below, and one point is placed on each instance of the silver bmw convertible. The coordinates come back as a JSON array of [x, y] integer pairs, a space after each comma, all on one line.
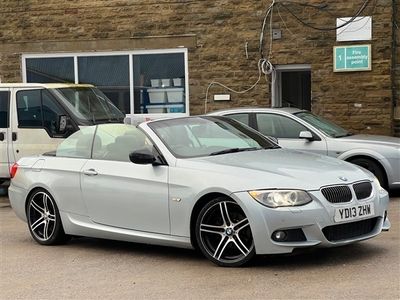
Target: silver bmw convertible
[[198, 182]]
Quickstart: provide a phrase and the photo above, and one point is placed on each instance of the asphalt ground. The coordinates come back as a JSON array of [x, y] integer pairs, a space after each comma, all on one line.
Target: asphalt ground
[[87, 268]]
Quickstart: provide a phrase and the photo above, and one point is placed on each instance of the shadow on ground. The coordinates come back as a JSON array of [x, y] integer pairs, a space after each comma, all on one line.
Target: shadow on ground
[[311, 258]]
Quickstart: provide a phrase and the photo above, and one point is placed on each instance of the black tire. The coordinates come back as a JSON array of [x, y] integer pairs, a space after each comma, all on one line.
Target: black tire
[[223, 233], [44, 220], [373, 167]]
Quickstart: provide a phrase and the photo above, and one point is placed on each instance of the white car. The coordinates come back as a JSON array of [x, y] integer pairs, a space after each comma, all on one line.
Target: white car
[[198, 182], [301, 130]]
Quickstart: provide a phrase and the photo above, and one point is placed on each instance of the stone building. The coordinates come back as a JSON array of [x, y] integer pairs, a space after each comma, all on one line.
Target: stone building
[[164, 56]]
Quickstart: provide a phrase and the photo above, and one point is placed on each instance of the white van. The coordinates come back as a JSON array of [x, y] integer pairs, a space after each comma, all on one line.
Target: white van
[[35, 118]]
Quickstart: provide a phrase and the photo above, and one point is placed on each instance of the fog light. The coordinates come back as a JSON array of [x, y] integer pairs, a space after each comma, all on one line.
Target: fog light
[[279, 236]]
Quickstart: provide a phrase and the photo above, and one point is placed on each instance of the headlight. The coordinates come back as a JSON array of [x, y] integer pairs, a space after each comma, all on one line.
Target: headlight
[[280, 198]]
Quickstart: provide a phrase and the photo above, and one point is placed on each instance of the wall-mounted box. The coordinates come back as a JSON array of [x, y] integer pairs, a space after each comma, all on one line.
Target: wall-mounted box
[[222, 97]]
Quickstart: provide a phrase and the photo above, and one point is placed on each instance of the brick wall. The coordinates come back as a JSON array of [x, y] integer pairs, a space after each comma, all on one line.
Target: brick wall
[[221, 28]]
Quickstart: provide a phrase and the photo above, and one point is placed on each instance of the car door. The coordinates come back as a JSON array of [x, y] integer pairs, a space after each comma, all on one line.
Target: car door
[[4, 132], [30, 134], [287, 131], [120, 193]]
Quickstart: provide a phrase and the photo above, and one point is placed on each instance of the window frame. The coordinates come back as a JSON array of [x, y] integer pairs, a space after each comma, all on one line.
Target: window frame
[[41, 91], [130, 55]]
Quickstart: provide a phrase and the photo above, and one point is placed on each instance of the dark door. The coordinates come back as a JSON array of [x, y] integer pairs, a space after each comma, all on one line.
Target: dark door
[[296, 89]]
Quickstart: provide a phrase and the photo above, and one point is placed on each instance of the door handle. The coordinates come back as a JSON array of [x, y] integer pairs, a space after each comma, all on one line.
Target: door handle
[[2, 136], [90, 172], [14, 136]]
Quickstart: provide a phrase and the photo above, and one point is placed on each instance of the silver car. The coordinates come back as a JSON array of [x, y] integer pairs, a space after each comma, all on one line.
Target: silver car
[[301, 130], [198, 182]]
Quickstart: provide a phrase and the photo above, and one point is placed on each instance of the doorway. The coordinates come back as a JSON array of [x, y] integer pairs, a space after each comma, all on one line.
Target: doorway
[[291, 86]]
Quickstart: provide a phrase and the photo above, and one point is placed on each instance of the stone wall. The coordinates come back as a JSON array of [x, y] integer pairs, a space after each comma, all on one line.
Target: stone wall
[[221, 29], [396, 80]]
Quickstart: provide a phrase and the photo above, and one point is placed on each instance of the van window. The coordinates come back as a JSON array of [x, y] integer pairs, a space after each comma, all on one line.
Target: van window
[[4, 109], [38, 109], [29, 109]]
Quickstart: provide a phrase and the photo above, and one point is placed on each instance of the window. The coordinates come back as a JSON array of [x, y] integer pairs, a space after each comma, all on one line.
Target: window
[[88, 104], [137, 82], [110, 74], [242, 118], [78, 145], [207, 136], [38, 109], [116, 141], [4, 109], [279, 126], [48, 70], [159, 83], [29, 108]]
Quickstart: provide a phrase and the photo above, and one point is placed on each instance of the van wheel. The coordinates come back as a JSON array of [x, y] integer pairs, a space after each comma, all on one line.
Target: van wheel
[[44, 220]]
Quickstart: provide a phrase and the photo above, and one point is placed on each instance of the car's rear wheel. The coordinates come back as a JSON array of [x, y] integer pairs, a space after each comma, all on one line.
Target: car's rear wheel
[[373, 167], [223, 233], [44, 220]]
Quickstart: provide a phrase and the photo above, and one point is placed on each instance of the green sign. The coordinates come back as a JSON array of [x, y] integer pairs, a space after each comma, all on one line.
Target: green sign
[[352, 58]]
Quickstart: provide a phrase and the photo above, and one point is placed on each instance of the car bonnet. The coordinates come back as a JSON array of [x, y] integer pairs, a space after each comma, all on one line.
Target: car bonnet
[[278, 168]]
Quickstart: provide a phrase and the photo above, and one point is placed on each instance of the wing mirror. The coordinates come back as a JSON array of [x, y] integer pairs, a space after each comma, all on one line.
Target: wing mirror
[[307, 135], [62, 123], [274, 139], [142, 157]]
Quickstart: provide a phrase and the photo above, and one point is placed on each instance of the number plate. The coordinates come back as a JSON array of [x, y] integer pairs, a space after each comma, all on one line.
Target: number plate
[[354, 212]]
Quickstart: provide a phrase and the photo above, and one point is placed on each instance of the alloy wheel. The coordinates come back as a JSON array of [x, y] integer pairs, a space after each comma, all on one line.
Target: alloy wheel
[[224, 234], [43, 219]]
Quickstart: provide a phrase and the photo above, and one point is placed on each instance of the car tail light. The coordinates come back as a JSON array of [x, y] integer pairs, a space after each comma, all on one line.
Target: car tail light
[[13, 170]]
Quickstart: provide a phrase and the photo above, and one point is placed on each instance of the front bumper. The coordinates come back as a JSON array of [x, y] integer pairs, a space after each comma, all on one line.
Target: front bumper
[[313, 219]]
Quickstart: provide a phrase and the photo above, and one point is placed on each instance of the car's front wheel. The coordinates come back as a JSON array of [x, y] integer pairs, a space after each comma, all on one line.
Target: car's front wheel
[[223, 233], [373, 167], [44, 220]]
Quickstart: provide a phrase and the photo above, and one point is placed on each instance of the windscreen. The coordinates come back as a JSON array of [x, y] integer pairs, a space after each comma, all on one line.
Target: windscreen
[[324, 125], [207, 136], [88, 105]]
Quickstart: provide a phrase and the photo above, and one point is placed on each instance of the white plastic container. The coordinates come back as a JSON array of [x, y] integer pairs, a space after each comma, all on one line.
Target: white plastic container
[[178, 108], [166, 82], [157, 95], [177, 81], [155, 82], [175, 95], [155, 110]]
